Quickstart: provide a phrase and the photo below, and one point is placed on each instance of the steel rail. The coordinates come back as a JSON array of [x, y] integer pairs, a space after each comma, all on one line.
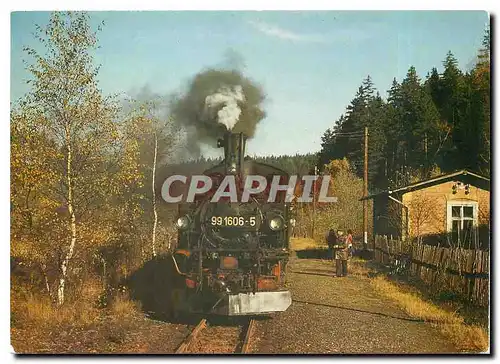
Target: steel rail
[[184, 346], [245, 349]]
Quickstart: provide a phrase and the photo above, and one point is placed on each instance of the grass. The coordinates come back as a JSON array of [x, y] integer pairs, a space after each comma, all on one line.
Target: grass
[[123, 309], [465, 337], [80, 325], [121, 317], [305, 244], [40, 311], [358, 267]]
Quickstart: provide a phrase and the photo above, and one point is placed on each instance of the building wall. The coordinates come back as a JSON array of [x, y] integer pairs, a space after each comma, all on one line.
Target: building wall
[[428, 207]]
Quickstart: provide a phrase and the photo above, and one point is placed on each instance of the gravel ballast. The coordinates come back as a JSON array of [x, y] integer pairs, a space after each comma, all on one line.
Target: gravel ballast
[[344, 315]]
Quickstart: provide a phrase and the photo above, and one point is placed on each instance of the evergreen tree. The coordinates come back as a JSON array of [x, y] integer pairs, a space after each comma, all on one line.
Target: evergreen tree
[[451, 90], [346, 139], [433, 87], [420, 119], [479, 108], [440, 124], [394, 149]]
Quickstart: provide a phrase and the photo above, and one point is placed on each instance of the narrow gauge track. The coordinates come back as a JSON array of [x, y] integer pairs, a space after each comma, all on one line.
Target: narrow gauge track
[[207, 338]]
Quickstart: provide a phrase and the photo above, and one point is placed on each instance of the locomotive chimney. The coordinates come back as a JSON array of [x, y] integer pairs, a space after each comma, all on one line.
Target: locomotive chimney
[[234, 151]]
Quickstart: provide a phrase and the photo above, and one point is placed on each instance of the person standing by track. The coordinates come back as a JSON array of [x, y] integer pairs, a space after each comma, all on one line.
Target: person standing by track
[[350, 247], [331, 241], [341, 254]]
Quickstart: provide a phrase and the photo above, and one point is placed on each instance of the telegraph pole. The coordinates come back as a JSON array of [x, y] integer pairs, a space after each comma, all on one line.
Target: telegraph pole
[[365, 194], [314, 200]]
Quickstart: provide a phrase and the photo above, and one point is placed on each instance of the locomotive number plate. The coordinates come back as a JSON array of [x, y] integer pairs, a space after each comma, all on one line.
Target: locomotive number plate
[[237, 221]]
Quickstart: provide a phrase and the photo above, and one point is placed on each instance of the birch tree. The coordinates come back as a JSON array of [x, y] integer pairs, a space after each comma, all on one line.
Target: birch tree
[[153, 191], [155, 133], [33, 202], [78, 118]]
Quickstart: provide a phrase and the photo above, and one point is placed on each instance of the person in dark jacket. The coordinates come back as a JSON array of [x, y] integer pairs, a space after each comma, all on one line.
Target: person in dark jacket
[[331, 241]]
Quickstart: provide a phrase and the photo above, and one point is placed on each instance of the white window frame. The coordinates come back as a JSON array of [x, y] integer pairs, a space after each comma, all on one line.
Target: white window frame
[[458, 203]]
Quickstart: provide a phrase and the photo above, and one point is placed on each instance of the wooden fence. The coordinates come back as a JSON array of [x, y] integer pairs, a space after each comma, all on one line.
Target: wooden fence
[[461, 271]]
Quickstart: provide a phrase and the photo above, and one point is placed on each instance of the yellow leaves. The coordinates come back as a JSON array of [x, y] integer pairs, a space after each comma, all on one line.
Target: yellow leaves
[[337, 166], [65, 110], [30, 250]]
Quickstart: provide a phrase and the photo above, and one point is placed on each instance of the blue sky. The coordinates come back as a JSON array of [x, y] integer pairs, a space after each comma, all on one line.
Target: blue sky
[[310, 64]]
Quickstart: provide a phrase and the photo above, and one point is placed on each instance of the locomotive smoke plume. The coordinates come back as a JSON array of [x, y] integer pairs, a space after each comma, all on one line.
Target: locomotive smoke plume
[[230, 112], [217, 100]]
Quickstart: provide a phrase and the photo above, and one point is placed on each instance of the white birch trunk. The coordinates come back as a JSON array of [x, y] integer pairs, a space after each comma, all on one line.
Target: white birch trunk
[[72, 221], [47, 285], [155, 213]]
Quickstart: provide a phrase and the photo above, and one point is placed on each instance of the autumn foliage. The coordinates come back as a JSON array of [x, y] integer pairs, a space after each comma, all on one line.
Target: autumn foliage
[[346, 213], [82, 184]]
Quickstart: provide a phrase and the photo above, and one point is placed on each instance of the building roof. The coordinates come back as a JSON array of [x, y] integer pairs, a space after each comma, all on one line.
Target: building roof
[[463, 174]]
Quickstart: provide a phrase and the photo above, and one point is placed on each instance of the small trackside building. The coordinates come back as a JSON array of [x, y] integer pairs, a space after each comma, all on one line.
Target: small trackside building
[[452, 208]]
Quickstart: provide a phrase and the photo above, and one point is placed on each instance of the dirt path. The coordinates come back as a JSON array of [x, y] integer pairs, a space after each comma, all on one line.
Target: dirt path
[[342, 315]]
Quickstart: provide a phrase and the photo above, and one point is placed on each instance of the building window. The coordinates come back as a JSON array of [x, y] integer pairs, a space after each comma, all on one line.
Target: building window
[[462, 220]]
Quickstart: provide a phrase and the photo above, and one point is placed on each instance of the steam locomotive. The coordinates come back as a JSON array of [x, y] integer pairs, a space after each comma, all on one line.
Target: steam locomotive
[[232, 256]]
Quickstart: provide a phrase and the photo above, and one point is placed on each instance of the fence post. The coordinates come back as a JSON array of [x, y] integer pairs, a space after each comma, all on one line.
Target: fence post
[[386, 255]]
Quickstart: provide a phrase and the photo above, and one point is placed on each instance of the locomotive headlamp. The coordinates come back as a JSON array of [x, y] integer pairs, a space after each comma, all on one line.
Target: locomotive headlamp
[[183, 222], [276, 223]]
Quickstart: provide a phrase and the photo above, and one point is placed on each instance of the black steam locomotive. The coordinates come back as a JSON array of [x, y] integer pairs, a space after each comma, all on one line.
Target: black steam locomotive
[[232, 256]]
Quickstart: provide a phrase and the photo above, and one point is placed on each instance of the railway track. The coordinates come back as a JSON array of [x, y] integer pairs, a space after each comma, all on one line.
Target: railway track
[[211, 338]]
